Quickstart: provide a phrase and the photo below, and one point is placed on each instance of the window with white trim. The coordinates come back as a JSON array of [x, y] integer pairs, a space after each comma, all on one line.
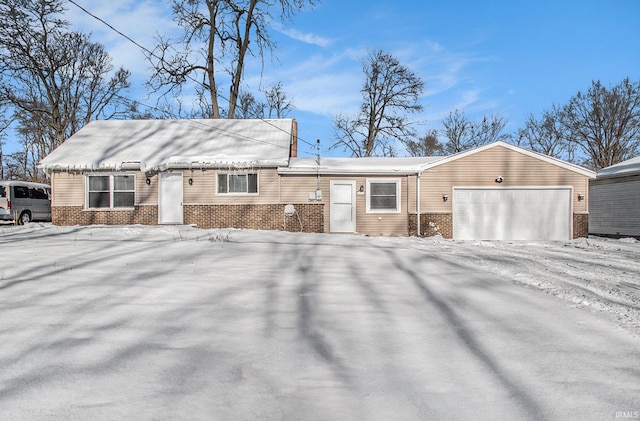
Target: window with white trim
[[237, 183], [110, 191], [383, 195]]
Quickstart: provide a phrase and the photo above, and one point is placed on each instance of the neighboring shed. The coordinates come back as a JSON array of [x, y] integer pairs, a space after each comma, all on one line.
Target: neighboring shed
[[614, 200], [211, 173]]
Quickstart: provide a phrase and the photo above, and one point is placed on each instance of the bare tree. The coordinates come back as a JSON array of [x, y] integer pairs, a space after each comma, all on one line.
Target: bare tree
[[216, 33], [427, 145], [249, 107], [278, 103], [390, 92], [605, 122], [53, 80], [463, 134], [4, 124], [455, 128], [547, 135]]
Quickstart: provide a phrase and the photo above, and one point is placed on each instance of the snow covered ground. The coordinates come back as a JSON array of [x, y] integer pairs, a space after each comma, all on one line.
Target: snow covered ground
[[180, 323]]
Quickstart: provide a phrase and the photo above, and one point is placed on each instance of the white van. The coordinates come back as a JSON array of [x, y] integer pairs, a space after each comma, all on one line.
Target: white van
[[23, 202]]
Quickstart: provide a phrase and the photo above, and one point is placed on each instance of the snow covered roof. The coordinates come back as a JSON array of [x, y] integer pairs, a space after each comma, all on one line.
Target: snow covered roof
[[156, 145], [628, 167], [370, 165], [385, 165]]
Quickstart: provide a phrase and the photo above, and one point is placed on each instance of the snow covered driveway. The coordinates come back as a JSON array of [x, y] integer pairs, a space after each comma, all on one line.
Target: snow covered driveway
[[180, 323]]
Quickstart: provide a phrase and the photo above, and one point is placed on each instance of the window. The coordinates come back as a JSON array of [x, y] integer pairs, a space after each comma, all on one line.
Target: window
[[238, 183], [20, 192], [111, 191], [38, 193], [383, 195]]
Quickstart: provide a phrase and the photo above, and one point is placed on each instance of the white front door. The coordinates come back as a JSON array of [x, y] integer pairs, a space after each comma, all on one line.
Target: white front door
[[170, 198], [525, 213], [343, 206]]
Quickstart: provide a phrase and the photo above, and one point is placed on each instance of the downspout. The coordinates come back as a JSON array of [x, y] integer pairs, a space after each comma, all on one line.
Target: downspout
[[418, 204]]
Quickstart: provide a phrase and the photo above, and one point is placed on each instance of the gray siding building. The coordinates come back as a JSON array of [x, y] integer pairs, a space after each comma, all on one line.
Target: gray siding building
[[614, 200]]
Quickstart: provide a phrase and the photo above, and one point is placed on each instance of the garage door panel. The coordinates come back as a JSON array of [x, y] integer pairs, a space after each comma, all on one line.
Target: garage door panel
[[512, 214]]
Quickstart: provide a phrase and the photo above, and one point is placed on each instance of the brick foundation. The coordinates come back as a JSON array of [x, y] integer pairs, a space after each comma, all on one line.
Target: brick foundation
[[442, 223], [76, 215], [262, 217], [580, 225], [432, 224]]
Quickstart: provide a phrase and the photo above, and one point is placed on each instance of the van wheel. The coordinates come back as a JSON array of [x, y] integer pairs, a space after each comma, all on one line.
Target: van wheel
[[25, 218]]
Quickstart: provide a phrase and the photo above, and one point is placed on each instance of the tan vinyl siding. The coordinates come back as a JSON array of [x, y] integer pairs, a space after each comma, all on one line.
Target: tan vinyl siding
[[482, 168], [387, 224], [203, 190], [296, 188], [67, 189], [615, 206], [146, 194]]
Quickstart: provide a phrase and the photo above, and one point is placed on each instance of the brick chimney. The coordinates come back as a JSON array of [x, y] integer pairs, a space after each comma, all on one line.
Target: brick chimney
[[293, 149]]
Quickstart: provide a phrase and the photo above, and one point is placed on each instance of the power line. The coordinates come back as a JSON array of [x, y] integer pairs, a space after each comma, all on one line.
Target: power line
[[152, 54], [142, 47]]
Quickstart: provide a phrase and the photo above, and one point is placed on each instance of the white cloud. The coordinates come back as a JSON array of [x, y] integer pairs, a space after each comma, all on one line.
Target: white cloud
[[307, 38]]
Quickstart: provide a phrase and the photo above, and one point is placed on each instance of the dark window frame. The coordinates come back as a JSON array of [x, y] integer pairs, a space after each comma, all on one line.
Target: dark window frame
[[111, 195], [230, 183]]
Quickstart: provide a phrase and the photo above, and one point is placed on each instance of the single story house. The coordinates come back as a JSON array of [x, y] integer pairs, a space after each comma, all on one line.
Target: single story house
[[614, 200], [210, 173], [246, 174]]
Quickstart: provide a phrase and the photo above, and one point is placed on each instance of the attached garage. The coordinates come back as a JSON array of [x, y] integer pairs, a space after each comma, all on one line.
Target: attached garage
[[503, 192], [516, 213]]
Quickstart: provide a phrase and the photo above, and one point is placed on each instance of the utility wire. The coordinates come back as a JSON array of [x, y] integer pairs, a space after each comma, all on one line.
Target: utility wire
[[152, 54]]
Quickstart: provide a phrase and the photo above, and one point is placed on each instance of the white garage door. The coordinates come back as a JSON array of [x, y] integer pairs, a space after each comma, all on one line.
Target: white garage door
[[512, 213]]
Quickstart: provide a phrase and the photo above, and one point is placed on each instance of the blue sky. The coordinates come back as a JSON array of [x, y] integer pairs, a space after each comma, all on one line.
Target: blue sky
[[505, 57]]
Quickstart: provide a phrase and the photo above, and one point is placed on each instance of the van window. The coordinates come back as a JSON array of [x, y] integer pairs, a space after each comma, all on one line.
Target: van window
[[3, 192], [38, 194], [20, 192]]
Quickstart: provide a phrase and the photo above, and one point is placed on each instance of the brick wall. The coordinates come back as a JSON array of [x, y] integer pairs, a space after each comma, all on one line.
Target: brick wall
[[432, 224], [580, 225], [76, 215], [263, 217]]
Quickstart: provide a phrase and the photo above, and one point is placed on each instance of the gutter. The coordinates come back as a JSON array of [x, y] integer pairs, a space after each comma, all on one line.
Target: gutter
[[418, 204]]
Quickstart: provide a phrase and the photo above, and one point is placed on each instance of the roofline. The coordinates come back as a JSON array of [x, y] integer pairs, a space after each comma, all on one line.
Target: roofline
[[551, 160], [350, 171], [617, 175], [139, 166]]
